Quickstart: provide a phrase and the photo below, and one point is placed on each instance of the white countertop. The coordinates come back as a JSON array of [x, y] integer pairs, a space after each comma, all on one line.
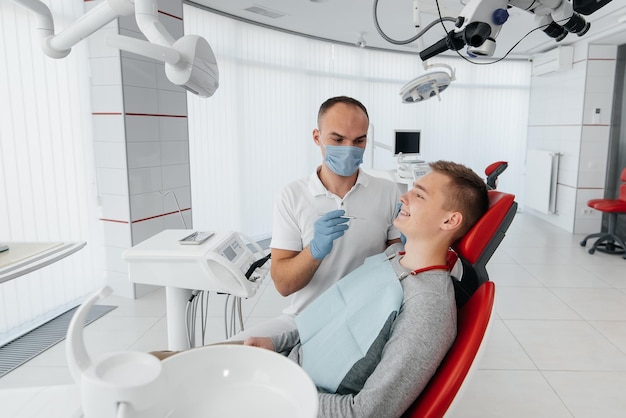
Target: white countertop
[[24, 257]]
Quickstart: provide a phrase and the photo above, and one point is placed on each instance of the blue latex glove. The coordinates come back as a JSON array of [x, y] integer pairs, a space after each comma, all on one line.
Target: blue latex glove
[[402, 237], [327, 229]]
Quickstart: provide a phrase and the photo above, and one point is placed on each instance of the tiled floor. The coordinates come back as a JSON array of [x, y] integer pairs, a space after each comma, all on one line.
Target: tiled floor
[[557, 346]]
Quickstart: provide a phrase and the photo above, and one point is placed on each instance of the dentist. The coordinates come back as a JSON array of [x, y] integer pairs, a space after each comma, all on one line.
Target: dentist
[[324, 226]]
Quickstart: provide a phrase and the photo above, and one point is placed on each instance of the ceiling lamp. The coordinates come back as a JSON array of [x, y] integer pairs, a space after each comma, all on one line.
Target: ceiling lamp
[[428, 85]]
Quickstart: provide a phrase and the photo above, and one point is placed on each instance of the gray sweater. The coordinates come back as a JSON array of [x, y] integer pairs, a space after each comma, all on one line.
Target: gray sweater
[[420, 337]]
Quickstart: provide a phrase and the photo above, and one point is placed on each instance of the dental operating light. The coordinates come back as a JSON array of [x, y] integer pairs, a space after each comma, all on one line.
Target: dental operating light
[[189, 61], [436, 78], [429, 84]]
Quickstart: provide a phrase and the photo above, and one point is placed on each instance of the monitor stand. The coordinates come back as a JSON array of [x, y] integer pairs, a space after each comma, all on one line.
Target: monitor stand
[[409, 159]]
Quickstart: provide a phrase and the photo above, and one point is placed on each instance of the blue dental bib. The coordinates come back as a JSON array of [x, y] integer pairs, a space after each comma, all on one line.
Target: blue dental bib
[[339, 327]]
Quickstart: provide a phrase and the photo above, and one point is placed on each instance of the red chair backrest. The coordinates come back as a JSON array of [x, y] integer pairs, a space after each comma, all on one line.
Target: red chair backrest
[[622, 187], [472, 321], [481, 241], [474, 243]]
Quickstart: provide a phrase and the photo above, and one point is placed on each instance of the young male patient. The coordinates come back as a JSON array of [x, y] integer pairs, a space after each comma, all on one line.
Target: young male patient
[[418, 324]]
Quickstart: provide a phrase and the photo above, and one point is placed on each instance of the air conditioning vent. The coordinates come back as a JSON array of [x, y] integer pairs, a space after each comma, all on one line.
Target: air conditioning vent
[[264, 11], [558, 59]]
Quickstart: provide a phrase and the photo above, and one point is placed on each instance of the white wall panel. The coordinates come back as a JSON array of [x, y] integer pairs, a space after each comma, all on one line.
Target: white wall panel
[[142, 128], [176, 175], [140, 100], [114, 207], [139, 73], [110, 154], [108, 128], [112, 181], [143, 154], [105, 71], [143, 180], [599, 89], [106, 99], [173, 129], [171, 102], [117, 234], [594, 149], [174, 152]]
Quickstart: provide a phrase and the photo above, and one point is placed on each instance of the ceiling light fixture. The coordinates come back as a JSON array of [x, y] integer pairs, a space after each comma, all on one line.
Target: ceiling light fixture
[[427, 85], [433, 81]]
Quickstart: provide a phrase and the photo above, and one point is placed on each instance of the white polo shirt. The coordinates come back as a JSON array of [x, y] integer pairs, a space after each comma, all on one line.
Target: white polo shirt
[[372, 200]]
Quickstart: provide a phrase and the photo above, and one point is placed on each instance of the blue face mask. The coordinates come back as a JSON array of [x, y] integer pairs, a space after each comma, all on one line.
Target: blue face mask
[[343, 160]]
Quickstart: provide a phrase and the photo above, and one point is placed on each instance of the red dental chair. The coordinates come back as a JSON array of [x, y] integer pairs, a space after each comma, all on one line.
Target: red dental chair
[[609, 242], [475, 299]]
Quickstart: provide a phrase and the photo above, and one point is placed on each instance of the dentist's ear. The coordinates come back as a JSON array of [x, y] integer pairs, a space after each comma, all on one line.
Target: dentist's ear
[[316, 136]]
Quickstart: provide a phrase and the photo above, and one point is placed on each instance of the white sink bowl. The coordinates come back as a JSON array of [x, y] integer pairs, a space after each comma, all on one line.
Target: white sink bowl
[[238, 381]]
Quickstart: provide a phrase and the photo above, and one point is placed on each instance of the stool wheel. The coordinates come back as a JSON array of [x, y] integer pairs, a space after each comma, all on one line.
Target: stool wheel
[[583, 243], [591, 251]]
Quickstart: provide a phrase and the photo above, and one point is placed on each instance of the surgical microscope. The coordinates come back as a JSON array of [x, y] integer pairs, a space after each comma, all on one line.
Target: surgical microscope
[[480, 21]]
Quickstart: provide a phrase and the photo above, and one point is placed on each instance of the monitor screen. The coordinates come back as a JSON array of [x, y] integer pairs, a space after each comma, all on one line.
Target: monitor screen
[[406, 142]]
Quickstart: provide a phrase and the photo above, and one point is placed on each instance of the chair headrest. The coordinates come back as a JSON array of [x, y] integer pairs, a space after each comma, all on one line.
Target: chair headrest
[[500, 166], [473, 244], [623, 176]]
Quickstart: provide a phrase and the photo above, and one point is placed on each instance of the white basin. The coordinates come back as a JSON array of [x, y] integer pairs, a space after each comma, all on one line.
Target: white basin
[[237, 381]]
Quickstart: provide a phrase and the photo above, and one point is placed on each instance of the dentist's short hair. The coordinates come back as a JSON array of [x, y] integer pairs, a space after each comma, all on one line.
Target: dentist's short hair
[[339, 99]]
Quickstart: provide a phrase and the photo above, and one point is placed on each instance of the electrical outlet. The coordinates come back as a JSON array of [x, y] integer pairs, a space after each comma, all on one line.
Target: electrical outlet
[[588, 211]]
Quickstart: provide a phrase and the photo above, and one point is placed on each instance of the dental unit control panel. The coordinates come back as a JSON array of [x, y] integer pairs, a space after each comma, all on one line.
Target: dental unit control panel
[[220, 263]]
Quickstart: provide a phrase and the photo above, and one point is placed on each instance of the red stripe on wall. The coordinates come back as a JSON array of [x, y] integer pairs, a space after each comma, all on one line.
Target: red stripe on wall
[[156, 115], [159, 216], [170, 15], [113, 220], [145, 219]]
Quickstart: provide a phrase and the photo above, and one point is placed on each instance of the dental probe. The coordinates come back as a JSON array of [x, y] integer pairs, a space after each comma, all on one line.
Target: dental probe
[[343, 216]]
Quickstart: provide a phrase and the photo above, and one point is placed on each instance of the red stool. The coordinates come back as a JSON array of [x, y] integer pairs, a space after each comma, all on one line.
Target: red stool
[[609, 242]]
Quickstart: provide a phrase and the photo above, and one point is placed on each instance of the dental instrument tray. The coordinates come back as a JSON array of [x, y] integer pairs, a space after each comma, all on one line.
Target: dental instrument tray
[[196, 238]]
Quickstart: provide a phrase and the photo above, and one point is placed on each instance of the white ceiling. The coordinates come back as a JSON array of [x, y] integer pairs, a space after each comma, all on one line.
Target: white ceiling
[[346, 20]]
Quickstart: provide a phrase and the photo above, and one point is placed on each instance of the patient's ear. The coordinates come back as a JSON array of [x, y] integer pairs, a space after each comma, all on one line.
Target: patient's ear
[[453, 221]]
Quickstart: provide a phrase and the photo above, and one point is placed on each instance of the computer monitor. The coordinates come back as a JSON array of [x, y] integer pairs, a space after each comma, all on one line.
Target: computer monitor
[[407, 142]]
